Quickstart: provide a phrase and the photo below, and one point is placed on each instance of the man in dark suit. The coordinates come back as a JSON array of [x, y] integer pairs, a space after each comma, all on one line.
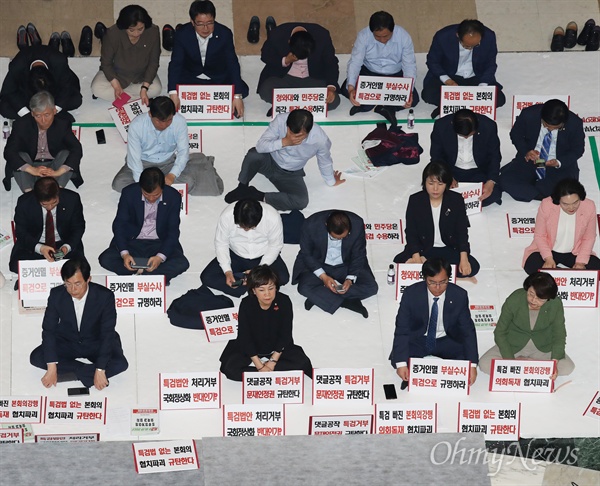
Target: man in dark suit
[[547, 135], [203, 53], [299, 55], [331, 269], [468, 143], [34, 69], [434, 320], [47, 219], [79, 322], [40, 145], [147, 226], [461, 55]]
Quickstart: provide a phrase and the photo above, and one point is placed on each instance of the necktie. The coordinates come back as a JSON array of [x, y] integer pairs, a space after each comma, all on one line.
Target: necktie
[[432, 327], [544, 154], [49, 240]]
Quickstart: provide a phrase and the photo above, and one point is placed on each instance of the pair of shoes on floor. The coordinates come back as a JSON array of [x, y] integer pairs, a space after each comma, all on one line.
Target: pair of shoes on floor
[[589, 37], [355, 305], [253, 35], [85, 41], [28, 36], [64, 41], [243, 191]]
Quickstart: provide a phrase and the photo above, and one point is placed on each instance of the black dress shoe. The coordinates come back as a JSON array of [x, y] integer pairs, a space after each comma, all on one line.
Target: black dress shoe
[[178, 26], [168, 34], [22, 38], [270, 112], [254, 30], [99, 30], [54, 41], [308, 305], [85, 41], [594, 41], [387, 113], [270, 24], [404, 385], [355, 305], [558, 40], [435, 113], [586, 32], [354, 110], [571, 35], [33, 34], [66, 42]]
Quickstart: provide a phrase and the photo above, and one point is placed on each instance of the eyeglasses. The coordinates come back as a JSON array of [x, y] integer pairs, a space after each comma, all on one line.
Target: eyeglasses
[[442, 283], [76, 285], [204, 25], [533, 296]]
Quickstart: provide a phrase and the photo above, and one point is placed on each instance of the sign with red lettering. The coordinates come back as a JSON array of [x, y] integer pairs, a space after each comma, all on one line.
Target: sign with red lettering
[[195, 136], [138, 294], [593, 409], [273, 387], [206, 102], [591, 125], [94, 437], [183, 190], [22, 410], [12, 436], [6, 237], [484, 317], [497, 421], [343, 385], [521, 102], [340, 425], [83, 410], [167, 456], [220, 324], [378, 231], [185, 391], [26, 428], [145, 421], [383, 90], [480, 99], [448, 376], [253, 420], [36, 279], [124, 116], [576, 288], [520, 225], [405, 418], [311, 99], [76, 131], [522, 375], [410, 273], [471, 192]]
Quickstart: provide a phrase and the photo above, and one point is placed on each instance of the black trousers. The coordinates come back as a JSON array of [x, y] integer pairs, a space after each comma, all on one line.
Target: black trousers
[[451, 255], [535, 261]]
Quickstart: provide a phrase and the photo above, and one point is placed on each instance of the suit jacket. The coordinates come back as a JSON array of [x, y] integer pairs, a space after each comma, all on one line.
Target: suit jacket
[[15, 89], [514, 331], [442, 58], [570, 143], [413, 318], [29, 220], [313, 246], [486, 145], [322, 62], [222, 65], [546, 226], [130, 219], [97, 331], [454, 223], [24, 138]]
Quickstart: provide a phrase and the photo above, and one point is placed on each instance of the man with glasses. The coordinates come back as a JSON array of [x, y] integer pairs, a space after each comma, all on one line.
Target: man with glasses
[[461, 55], [434, 320], [203, 53], [549, 140], [79, 322], [331, 269]]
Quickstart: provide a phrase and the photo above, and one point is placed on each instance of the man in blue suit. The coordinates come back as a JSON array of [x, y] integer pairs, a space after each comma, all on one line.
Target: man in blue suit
[[461, 55], [203, 53], [79, 322], [147, 226], [434, 320]]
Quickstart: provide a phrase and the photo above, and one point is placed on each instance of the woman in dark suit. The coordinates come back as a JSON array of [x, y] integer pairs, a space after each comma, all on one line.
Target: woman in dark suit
[[437, 224]]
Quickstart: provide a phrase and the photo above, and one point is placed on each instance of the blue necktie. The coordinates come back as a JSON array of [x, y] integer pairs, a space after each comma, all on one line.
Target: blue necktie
[[432, 327], [544, 155]]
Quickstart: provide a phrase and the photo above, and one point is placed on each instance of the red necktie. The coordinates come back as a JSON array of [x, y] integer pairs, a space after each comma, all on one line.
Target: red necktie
[[50, 240]]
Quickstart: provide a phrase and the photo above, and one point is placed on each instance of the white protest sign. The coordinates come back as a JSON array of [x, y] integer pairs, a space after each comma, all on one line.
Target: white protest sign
[[447, 376], [383, 90], [220, 324], [253, 420], [22, 410], [12, 436], [311, 99], [138, 294], [82, 410], [576, 288], [26, 428], [521, 375], [410, 273], [273, 387], [190, 390], [591, 125], [183, 190], [76, 131], [520, 102], [484, 316], [520, 225], [593, 409], [195, 137], [5, 238], [343, 385], [167, 456], [384, 231], [64, 438], [36, 279], [405, 418], [480, 99], [340, 425], [471, 192], [206, 102], [145, 421], [124, 116], [497, 421]]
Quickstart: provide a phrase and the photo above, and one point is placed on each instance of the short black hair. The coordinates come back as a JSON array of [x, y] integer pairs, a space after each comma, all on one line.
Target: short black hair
[[247, 213], [300, 119], [438, 170], [152, 178], [202, 7], [40, 79], [46, 189], [433, 266], [162, 107], [302, 44], [465, 122], [72, 265], [470, 26], [130, 15], [555, 112], [261, 275], [381, 20], [566, 187], [543, 284], [338, 222]]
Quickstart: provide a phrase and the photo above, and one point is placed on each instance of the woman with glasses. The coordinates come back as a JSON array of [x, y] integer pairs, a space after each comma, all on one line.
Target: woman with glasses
[[565, 231], [129, 58], [531, 326], [437, 224]]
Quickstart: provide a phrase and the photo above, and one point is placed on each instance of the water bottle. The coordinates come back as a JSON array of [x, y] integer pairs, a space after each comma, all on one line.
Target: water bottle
[[391, 275], [5, 130], [410, 122]]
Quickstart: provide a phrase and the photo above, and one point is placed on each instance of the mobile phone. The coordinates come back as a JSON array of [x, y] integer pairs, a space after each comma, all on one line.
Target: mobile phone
[[390, 391], [140, 263], [78, 391], [100, 137], [339, 288], [237, 283], [58, 255], [540, 163]]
